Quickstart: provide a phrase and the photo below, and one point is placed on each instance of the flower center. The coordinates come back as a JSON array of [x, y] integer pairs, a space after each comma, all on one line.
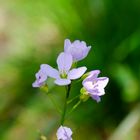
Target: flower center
[[63, 75]]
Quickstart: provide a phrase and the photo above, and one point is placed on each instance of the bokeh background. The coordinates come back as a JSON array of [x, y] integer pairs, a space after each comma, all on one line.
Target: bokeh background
[[32, 32]]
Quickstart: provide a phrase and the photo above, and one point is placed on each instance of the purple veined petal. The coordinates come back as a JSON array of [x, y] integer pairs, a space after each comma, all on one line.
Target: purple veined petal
[[96, 91], [41, 76], [93, 74], [76, 73], [62, 82], [83, 49], [93, 88], [64, 133], [87, 49], [88, 85], [67, 44], [98, 87], [89, 81], [36, 84], [78, 49], [43, 67], [96, 97], [76, 43], [51, 72], [102, 82], [76, 52], [83, 43], [64, 62]]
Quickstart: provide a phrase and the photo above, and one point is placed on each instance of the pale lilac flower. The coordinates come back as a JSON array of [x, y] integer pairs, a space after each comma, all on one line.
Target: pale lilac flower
[[95, 86], [64, 133], [41, 76], [78, 49], [65, 74]]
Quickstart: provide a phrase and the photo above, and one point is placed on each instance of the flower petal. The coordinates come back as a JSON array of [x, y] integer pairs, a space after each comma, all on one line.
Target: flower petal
[[67, 43], [101, 91], [41, 77], [76, 73], [102, 82], [93, 74], [64, 62], [77, 43], [64, 133], [78, 49], [51, 72], [88, 85], [62, 82], [85, 53], [96, 97], [37, 84]]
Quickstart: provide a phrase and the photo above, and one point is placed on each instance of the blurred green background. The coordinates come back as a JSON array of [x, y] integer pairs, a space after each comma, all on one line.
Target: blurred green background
[[32, 32]]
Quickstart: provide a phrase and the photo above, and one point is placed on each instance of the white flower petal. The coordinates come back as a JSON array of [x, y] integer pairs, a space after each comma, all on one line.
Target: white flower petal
[[64, 62], [67, 44], [102, 82], [51, 72], [62, 82], [101, 91], [88, 85], [64, 133], [93, 74], [76, 73], [78, 49]]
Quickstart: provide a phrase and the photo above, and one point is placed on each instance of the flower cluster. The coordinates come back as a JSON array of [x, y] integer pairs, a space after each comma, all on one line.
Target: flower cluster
[[93, 86]]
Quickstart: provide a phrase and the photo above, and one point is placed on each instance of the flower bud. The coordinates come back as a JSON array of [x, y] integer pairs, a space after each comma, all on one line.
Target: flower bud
[[84, 94]]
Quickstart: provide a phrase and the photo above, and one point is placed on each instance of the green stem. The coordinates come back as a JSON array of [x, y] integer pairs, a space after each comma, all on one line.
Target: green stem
[[68, 102], [75, 106], [65, 104], [54, 103]]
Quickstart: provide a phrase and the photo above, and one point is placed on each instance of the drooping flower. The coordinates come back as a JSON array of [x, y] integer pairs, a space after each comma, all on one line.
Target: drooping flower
[[64, 133], [78, 49], [94, 86], [41, 76], [65, 74]]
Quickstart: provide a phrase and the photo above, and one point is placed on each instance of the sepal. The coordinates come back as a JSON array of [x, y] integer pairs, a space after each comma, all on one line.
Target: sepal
[[45, 88], [84, 96]]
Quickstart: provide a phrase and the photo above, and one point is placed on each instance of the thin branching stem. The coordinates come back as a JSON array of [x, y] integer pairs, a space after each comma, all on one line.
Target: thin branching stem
[[65, 104]]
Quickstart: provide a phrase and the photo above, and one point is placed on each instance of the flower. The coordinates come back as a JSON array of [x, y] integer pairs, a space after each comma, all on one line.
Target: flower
[[94, 86], [64, 133], [77, 49], [65, 74], [41, 76]]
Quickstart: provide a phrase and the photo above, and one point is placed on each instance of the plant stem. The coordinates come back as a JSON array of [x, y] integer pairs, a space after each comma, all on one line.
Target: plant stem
[[54, 103], [71, 100], [75, 106], [65, 104]]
